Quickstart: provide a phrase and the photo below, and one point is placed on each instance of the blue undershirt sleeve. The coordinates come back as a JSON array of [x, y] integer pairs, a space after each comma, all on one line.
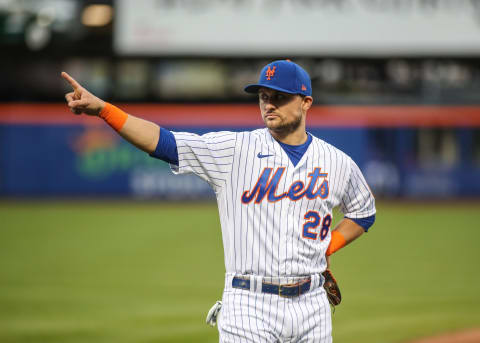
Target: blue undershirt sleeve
[[364, 222], [166, 148]]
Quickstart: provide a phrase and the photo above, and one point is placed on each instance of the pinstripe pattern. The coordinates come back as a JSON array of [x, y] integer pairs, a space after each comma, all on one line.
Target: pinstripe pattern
[[257, 317], [263, 225]]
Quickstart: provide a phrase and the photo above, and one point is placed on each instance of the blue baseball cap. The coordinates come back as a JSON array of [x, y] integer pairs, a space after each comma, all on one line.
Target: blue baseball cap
[[284, 76]]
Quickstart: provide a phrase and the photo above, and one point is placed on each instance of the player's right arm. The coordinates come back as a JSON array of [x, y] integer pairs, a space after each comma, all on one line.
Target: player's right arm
[[141, 133]]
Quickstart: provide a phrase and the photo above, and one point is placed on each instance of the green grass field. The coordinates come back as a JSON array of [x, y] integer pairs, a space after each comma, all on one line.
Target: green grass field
[[149, 272]]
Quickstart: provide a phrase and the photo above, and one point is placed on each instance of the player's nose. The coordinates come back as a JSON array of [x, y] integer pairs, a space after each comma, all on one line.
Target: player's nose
[[269, 106]]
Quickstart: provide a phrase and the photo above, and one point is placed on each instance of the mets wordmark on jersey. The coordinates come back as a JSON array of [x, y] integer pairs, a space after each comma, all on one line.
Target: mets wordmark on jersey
[[275, 217]]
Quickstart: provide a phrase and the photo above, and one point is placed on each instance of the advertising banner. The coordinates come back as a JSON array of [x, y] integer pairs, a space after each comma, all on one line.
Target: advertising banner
[[72, 160], [47, 151], [297, 27]]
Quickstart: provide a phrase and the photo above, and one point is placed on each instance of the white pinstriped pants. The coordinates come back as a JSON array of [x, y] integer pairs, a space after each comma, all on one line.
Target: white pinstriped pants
[[255, 317]]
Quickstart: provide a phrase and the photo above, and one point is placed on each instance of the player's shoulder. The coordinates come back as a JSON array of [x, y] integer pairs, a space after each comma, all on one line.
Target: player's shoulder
[[219, 136], [253, 134], [328, 148], [212, 135]]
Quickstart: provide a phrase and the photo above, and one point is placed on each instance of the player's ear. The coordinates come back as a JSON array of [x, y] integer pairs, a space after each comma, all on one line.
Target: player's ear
[[307, 102]]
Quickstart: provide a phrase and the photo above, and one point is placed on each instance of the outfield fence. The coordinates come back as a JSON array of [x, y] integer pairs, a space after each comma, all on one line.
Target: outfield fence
[[404, 151]]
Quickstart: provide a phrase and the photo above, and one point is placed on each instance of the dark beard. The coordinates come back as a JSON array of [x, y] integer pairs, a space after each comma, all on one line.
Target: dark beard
[[286, 129]]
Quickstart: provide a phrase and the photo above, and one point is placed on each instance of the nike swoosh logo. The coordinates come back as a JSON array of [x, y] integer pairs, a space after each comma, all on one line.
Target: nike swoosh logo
[[262, 156]]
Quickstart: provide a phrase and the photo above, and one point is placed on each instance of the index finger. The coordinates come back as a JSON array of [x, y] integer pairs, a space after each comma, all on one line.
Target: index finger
[[71, 80]]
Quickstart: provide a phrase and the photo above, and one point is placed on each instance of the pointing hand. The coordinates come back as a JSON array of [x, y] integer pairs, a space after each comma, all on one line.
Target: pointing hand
[[80, 100]]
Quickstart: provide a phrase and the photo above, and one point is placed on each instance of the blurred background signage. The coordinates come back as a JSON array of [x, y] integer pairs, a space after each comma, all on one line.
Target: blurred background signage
[[280, 27], [396, 85]]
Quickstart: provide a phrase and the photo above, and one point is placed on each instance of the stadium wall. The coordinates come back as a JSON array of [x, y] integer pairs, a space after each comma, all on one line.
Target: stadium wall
[[47, 151]]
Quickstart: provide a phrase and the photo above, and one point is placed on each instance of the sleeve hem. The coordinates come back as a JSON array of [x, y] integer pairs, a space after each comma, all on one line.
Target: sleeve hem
[[360, 215]]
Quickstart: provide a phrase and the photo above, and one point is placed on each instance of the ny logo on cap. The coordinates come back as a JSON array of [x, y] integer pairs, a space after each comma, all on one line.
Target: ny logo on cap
[[270, 72]]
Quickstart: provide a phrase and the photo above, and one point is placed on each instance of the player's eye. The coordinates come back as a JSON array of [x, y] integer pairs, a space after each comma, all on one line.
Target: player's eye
[[264, 97]]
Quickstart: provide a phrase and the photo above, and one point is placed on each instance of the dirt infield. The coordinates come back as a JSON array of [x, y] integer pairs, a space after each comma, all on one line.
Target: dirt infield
[[469, 336]]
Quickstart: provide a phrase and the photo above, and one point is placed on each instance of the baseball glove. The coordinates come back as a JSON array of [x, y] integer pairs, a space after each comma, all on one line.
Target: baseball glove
[[331, 287]]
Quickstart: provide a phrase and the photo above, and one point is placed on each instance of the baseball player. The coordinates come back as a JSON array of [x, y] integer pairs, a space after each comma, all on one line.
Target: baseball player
[[276, 188]]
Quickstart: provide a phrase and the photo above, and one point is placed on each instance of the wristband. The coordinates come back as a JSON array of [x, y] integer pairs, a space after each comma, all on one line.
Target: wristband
[[114, 116], [337, 242]]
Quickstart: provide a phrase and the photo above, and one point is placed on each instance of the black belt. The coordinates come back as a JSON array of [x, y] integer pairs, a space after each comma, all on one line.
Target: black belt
[[287, 291]]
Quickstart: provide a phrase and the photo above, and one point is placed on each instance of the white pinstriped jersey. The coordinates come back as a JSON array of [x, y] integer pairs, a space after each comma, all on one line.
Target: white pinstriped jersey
[[275, 216]]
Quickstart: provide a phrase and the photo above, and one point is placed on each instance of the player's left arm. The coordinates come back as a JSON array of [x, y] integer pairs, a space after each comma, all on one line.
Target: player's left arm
[[344, 233], [349, 229], [358, 205]]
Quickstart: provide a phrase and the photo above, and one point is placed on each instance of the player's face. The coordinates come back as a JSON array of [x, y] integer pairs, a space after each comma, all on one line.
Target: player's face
[[283, 113]]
